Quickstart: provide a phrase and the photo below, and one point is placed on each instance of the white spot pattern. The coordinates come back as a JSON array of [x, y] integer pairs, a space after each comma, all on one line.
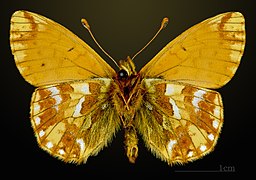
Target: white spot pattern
[[198, 97], [37, 120], [202, 148], [81, 144], [169, 90], [170, 146], [176, 112], [49, 145], [41, 133], [215, 124], [78, 107], [211, 137]]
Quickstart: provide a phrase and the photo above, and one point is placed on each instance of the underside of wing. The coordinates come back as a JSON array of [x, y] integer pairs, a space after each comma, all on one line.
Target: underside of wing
[[207, 55], [46, 52], [73, 121], [179, 122]]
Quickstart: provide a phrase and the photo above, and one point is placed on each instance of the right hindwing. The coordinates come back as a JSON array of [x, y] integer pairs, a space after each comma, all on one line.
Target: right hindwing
[[179, 122]]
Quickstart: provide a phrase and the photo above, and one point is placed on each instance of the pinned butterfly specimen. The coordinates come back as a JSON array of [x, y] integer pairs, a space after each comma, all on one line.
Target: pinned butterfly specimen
[[81, 101]]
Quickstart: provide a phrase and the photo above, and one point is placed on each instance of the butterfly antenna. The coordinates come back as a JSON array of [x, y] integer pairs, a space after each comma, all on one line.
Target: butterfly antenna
[[86, 25], [163, 25]]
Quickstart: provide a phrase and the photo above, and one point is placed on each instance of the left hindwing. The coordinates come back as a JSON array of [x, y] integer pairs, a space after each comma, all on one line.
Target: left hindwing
[[179, 122], [73, 121]]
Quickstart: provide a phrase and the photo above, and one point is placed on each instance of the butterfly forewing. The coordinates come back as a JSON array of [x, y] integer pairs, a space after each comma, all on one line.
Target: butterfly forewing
[[75, 120], [206, 55], [46, 52], [179, 122]]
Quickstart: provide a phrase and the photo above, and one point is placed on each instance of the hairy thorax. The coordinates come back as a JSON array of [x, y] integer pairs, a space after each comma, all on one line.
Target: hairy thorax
[[128, 98]]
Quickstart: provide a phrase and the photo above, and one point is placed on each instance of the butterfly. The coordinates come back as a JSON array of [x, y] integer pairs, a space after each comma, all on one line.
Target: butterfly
[[81, 102]]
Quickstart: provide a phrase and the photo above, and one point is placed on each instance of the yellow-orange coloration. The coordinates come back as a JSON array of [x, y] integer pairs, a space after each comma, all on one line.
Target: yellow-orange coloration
[[81, 101]]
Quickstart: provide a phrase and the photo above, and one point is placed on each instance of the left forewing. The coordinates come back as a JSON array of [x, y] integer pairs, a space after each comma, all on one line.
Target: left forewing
[[179, 122], [73, 121]]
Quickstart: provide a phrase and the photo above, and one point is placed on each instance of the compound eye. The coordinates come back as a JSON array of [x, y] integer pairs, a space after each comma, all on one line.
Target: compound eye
[[122, 74]]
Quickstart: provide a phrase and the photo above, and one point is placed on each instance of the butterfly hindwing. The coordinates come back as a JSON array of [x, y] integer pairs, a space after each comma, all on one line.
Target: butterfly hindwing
[[73, 121], [179, 122], [207, 55], [46, 52]]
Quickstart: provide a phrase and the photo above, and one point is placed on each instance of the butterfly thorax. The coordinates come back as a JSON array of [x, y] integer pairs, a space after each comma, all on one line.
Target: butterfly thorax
[[128, 89]]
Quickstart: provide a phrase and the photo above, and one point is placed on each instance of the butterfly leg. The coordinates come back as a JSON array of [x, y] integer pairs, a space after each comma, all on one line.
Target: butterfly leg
[[126, 102]]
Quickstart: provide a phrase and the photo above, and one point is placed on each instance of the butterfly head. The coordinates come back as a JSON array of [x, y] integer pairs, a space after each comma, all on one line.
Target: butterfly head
[[127, 68]]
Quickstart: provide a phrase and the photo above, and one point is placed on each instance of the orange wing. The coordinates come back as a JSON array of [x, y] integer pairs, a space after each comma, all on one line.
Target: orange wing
[[206, 55], [46, 52], [73, 121], [179, 122]]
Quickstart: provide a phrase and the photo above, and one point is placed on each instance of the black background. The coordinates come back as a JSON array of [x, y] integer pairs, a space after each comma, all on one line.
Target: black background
[[122, 28]]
